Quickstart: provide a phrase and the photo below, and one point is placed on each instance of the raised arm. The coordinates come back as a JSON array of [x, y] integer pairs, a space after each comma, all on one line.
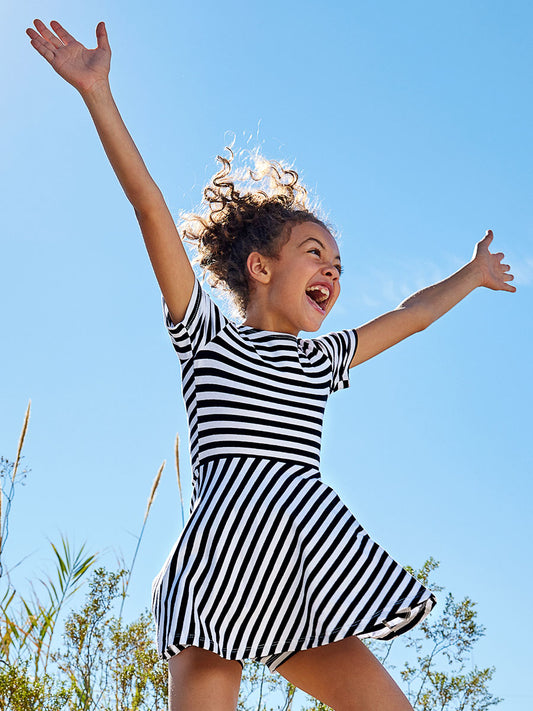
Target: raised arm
[[418, 311], [88, 71]]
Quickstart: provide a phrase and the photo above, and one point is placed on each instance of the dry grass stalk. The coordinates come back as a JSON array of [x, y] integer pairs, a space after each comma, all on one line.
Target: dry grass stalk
[[139, 539], [153, 490], [177, 449], [21, 440]]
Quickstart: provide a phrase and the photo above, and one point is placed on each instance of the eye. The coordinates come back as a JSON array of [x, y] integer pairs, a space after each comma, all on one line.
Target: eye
[[317, 250]]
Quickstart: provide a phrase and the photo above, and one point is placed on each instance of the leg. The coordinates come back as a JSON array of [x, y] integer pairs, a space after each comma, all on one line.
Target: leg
[[200, 680], [346, 676]]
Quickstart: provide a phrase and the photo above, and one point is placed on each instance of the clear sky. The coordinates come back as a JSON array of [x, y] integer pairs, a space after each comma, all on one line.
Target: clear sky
[[411, 122]]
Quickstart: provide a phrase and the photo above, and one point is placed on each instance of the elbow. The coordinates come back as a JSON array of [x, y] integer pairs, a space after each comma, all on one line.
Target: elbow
[[424, 319], [420, 318], [147, 202]]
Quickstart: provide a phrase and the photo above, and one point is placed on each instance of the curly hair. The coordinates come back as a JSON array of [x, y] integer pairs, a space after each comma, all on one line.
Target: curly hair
[[235, 222]]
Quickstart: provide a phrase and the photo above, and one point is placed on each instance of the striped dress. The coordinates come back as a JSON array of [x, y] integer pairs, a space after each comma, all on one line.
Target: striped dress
[[270, 560]]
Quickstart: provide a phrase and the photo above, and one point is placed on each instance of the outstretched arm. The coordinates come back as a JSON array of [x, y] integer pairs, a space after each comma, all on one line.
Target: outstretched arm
[[418, 311], [88, 71]]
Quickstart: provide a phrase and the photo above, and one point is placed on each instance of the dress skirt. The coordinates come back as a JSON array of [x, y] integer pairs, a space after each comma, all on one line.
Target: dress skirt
[[271, 562]]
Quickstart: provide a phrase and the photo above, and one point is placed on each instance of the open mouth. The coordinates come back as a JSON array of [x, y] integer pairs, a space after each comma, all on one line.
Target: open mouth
[[319, 297]]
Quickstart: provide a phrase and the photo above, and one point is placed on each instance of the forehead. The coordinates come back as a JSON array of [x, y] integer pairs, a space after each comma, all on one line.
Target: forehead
[[312, 231]]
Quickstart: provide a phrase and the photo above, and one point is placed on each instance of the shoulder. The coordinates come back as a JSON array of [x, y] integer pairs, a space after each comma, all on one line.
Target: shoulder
[[335, 343]]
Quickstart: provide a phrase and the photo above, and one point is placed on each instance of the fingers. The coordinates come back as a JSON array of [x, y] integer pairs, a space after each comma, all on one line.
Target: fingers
[[507, 277], [61, 32], [45, 39], [44, 47], [485, 241], [499, 271], [504, 268], [101, 37], [47, 35]]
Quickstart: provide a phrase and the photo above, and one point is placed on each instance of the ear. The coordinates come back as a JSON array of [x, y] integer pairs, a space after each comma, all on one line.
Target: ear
[[258, 267]]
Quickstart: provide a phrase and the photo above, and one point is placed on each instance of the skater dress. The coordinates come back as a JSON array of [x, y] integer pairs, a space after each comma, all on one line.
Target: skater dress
[[270, 560]]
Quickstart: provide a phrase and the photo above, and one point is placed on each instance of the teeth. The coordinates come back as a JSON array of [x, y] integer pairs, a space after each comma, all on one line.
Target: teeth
[[323, 289]]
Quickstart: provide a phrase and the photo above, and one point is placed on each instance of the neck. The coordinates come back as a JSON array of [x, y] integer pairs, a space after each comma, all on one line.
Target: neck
[[268, 322]]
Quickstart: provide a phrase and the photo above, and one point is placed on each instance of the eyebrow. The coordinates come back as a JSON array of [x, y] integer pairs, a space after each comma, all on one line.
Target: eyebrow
[[337, 256]]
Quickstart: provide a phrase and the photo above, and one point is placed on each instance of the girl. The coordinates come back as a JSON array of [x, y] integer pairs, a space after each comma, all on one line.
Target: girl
[[271, 565]]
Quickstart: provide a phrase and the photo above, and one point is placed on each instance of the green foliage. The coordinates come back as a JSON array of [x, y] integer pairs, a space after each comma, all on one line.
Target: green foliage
[[102, 663], [139, 675], [110, 665], [21, 691], [27, 625]]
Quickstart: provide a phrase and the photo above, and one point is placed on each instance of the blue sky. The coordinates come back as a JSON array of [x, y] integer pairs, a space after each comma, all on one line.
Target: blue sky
[[412, 124]]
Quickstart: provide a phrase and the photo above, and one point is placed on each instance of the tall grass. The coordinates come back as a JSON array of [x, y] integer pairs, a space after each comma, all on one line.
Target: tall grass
[[151, 498], [139, 537], [27, 623], [6, 507], [33, 672]]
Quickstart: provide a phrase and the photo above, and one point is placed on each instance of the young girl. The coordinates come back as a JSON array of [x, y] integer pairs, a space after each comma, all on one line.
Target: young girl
[[271, 565]]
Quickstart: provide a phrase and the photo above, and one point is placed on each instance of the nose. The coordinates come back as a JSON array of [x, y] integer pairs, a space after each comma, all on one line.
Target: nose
[[331, 271]]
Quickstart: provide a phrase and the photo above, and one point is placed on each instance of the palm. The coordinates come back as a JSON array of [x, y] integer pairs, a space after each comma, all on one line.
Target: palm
[[495, 274], [78, 65]]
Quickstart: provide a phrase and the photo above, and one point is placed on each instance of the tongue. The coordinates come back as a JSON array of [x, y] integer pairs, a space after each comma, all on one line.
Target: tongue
[[314, 294], [315, 304]]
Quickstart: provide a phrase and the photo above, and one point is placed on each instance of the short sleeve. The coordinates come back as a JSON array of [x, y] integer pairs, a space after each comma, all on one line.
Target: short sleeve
[[340, 347], [202, 321]]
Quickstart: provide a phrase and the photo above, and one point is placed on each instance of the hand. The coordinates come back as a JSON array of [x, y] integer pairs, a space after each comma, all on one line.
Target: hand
[[493, 274], [81, 67]]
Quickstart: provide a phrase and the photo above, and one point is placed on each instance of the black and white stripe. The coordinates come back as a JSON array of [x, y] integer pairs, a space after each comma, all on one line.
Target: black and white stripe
[[270, 560], [253, 392]]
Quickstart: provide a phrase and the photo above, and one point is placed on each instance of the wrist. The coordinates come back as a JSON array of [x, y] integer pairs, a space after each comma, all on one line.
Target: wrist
[[99, 90], [475, 273]]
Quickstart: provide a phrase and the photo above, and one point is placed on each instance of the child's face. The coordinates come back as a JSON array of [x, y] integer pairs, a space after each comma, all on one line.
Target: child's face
[[304, 281]]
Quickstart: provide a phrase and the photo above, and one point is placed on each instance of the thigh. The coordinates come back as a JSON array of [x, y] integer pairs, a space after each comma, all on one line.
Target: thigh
[[346, 676], [200, 679]]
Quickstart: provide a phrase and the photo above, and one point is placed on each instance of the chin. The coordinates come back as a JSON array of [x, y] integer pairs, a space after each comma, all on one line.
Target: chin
[[315, 325]]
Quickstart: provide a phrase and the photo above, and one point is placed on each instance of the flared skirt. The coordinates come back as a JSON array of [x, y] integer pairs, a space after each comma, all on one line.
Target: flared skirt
[[271, 561]]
